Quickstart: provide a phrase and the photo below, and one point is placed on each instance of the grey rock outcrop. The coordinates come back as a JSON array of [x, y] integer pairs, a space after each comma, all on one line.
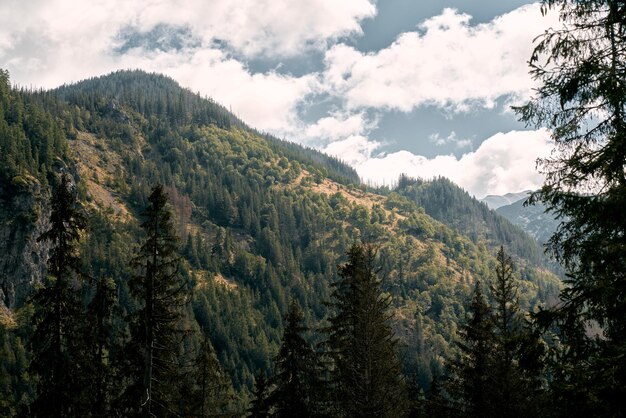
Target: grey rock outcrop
[[24, 215]]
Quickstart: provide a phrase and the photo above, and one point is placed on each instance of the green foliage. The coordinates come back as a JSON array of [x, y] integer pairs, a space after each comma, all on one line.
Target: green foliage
[[56, 340], [517, 364], [207, 391], [31, 139], [367, 379], [498, 372], [259, 408], [254, 236], [16, 385], [448, 203], [581, 68], [159, 290], [296, 374], [473, 369]]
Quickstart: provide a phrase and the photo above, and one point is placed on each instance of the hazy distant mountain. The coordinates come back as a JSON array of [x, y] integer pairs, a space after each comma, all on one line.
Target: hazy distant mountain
[[494, 201], [532, 218]]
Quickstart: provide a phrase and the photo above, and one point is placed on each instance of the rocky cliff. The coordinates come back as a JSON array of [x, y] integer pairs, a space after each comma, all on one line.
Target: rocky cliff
[[24, 214]]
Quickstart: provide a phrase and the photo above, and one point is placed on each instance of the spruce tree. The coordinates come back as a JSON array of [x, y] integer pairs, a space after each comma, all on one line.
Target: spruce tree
[[518, 361], [159, 290], [211, 390], [58, 309], [472, 372], [581, 68], [97, 368], [260, 406], [366, 378], [507, 385], [436, 403], [295, 370]]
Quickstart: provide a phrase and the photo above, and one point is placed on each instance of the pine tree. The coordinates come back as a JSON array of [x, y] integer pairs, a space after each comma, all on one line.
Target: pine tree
[[97, 368], [159, 290], [56, 341], [472, 381], [519, 352], [13, 376], [437, 404], [581, 66], [211, 393], [367, 375], [295, 370], [260, 406], [507, 386]]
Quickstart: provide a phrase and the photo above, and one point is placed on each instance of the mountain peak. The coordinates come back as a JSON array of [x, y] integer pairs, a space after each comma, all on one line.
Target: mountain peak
[[496, 201]]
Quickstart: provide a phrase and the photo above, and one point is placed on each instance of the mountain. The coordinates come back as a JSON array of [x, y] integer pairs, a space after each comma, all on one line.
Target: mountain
[[496, 201], [448, 203], [532, 218], [260, 220]]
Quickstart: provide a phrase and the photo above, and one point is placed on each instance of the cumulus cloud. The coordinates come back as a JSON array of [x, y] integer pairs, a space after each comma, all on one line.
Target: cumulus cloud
[[261, 27], [251, 27], [355, 150], [48, 43], [503, 163], [447, 62], [339, 126], [265, 101], [450, 139]]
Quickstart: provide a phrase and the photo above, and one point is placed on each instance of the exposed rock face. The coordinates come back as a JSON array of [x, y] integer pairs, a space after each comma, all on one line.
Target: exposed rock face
[[24, 215]]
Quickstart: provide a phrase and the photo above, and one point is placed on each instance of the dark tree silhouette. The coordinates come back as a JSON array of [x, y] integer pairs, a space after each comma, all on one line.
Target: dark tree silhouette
[[581, 66], [155, 330], [367, 375], [56, 341]]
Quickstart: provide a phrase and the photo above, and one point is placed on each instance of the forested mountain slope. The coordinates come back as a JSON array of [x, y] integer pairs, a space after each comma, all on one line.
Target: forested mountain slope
[[531, 218], [260, 220], [448, 203]]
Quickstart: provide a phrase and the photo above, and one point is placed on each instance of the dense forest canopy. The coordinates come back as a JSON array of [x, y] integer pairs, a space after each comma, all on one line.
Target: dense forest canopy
[[160, 257], [259, 222]]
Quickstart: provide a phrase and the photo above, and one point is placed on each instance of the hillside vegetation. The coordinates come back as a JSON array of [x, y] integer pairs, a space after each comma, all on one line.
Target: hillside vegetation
[[260, 222]]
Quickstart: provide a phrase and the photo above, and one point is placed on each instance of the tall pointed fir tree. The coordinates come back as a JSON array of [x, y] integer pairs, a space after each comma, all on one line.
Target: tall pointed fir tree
[[367, 379], [471, 384], [96, 360], [507, 388], [260, 405], [160, 293], [210, 390], [581, 68], [519, 352], [295, 374], [56, 341]]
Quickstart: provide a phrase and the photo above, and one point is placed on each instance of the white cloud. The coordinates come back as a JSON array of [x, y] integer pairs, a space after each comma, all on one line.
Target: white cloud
[[503, 163], [450, 139], [265, 101], [251, 27], [355, 150], [48, 43], [261, 27], [447, 62], [339, 126]]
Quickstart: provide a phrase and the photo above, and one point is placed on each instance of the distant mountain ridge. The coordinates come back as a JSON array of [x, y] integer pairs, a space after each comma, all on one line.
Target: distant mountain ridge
[[496, 201], [531, 218], [450, 204]]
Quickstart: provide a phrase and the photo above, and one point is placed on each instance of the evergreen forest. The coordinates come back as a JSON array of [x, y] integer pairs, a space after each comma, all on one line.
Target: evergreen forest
[[160, 258]]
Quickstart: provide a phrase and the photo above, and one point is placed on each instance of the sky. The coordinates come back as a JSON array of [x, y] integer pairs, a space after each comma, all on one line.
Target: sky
[[420, 87]]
